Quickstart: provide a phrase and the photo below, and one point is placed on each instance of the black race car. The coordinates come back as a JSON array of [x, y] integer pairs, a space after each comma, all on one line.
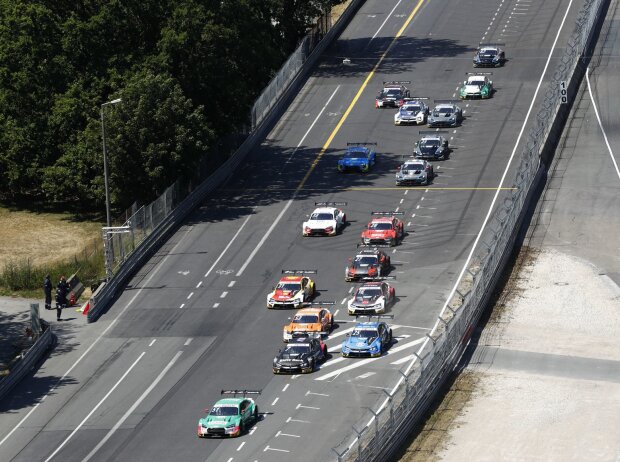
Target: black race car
[[433, 146], [489, 55], [301, 354], [367, 264], [393, 94]]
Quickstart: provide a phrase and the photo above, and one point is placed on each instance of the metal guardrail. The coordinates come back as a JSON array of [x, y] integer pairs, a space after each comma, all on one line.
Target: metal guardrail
[[28, 361], [381, 431], [141, 250]]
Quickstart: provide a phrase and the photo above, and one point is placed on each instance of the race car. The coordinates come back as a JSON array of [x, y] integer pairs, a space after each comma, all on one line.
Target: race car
[[476, 86], [359, 156], [413, 172], [326, 220], [368, 339], [384, 229], [301, 354], [229, 416], [293, 290], [367, 264], [393, 94], [413, 111], [445, 114], [433, 145], [489, 55], [371, 298], [314, 322]]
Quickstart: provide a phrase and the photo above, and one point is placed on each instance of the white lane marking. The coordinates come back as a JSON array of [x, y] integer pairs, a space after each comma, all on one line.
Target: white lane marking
[[215, 305], [133, 407], [267, 448], [240, 446], [417, 207], [413, 215], [152, 342], [285, 387], [397, 208], [182, 305], [422, 198], [343, 301], [230, 460], [110, 391], [365, 375], [386, 20], [402, 360], [191, 294], [339, 333], [600, 123], [198, 285], [408, 224], [275, 401], [224, 294], [301, 406], [231, 283], [363, 362], [253, 429], [286, 434], [316, 394], [467, 262], [312, 124], [402, 200], [228, 246], [188, 341], [290, 419], [92, 345], [406, 191], [351, 290], [336, 312]]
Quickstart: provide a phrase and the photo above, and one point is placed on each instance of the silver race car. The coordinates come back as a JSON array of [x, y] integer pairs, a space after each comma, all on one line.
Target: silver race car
[[445, 114], [413, 172]]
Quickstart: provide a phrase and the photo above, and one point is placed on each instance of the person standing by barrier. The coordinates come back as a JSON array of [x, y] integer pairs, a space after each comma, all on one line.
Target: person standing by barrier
[[62, 289], [47, 289]]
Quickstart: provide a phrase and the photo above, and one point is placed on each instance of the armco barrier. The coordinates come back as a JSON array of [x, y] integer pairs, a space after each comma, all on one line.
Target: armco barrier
[[384, 428], [100, 302], [29, 360]]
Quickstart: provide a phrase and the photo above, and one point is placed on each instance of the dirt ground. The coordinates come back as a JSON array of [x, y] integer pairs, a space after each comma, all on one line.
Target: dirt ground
[[44, 237]]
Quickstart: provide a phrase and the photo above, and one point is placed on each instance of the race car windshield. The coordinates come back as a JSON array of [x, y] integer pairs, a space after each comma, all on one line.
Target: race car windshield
[[355, 155], [306, 319], [443, 111], [297, 349], [488, 53], [412, 108], [380, 226], [414, 167], [365, 260], [392, 92], [321, 216], [368, 293], [224, 410], [476, 82], [289, 286], [364, 333], [429, 144]]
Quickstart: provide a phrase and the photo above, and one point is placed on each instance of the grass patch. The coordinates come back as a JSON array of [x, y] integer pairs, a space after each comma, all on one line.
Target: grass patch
[[34, 244]]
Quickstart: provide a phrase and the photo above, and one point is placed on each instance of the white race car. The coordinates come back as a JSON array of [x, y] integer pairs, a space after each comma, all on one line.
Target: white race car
[[371, 298], [325, 221], [413, 111]]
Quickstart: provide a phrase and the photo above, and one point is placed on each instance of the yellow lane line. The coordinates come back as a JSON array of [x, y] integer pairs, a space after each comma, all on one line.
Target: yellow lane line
[[357, 96]]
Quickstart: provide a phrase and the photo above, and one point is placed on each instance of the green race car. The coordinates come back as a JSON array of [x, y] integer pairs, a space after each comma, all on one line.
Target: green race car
[[229, 416], [476, 86]]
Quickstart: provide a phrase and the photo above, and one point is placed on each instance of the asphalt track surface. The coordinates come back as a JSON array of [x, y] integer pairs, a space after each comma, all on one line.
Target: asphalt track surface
[[194, 320]]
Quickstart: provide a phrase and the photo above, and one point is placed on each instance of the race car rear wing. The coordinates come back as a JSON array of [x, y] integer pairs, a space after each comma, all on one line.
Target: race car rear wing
[[387, 214], [240, 392], [380, 278], [447, 101], [299, 271], [319, 303], [491, 44], [313, 334], [374, 316], [361, 144], [330, 204], [372, 246], [416, 98], [478, 73], [396, 82]]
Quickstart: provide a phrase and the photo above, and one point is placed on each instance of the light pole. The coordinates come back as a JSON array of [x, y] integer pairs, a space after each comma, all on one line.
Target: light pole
[[105, 162]]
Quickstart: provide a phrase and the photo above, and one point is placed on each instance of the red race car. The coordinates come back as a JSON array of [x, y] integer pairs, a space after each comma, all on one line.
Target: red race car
[[384, 229]]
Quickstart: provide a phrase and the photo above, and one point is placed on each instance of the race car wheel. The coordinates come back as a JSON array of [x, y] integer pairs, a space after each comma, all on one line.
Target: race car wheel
[[365, 168], [241, 428], [331, 324], [344, 220], [255, 413], [389, 337]]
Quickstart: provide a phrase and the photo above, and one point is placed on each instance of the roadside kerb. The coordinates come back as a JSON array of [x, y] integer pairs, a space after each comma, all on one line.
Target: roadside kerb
[[137, 258], [29, 360], [379, 434]]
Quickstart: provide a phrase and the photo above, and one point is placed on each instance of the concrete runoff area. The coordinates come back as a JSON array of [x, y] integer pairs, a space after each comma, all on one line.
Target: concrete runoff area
[[543, 382]]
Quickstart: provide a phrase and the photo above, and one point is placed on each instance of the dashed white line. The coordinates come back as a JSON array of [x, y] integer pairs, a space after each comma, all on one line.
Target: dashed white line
[[343, 301], [188, 341], [215, 305], [275, 401], [316, 394], [231, 283], [190, 295], [224, 294], [290, 419], [198, 285], [336, 312], [386, 20], [267, 448], [402, 200], [240, 446], [301, 406], [286, 387], [152, 342], [182, 305], [286, 434]]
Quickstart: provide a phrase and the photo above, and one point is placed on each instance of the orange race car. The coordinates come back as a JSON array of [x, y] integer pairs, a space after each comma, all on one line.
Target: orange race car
[[309, 321], [385, 229]]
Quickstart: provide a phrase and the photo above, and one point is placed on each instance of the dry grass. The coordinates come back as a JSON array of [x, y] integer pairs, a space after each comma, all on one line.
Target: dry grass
[[434, 435], [43, 237], [339, 9]]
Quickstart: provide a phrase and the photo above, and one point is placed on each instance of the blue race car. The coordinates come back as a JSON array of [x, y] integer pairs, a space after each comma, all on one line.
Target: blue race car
[[367, 339], [359, 156]]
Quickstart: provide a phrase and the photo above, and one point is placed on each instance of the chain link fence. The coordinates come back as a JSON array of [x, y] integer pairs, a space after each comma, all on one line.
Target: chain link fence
[[384, 428]]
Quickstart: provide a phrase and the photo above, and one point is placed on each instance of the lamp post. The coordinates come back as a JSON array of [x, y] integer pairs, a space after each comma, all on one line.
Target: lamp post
[[105, 162]]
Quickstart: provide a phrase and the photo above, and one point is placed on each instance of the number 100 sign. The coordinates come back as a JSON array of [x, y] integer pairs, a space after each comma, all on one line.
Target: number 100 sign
[[563, 92]]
